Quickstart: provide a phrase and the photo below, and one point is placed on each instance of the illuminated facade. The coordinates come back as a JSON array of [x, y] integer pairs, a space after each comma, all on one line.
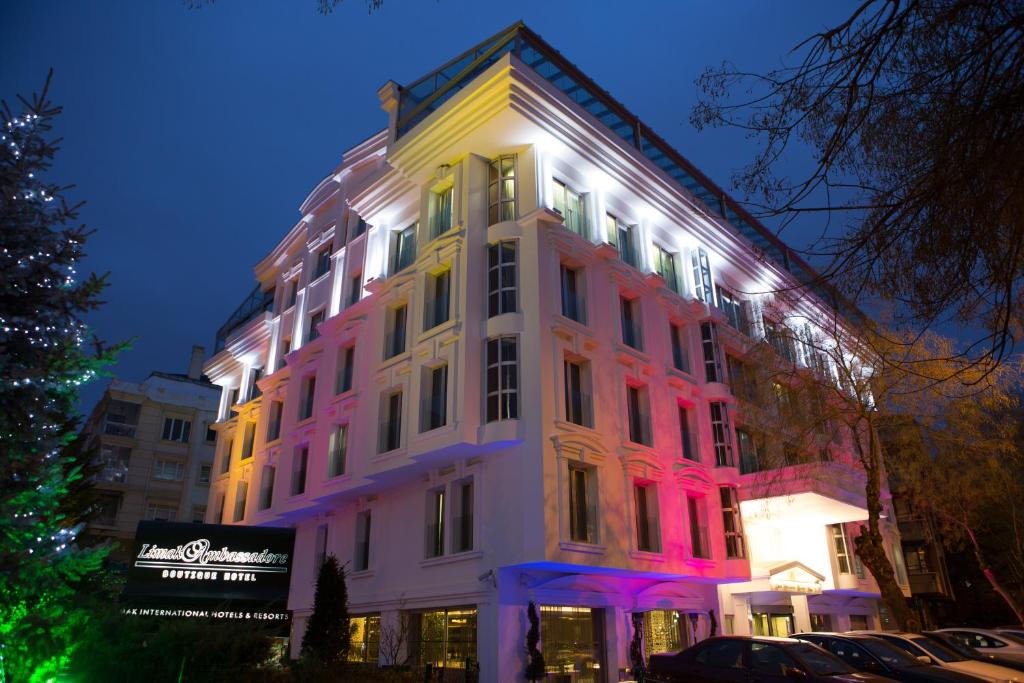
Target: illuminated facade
[[488, 366]]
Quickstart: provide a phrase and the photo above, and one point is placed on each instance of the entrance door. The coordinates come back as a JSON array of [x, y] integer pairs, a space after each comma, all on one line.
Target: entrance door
[[772, 624]]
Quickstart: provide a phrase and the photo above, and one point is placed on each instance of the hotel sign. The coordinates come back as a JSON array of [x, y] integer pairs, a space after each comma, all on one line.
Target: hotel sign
[[213, 571]]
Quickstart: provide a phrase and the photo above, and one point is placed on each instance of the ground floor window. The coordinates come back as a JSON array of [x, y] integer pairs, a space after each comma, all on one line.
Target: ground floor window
[[860, 622], [821, 622], [664, 631], [572, 640], [772, 623], [365, 632], [443, 638]]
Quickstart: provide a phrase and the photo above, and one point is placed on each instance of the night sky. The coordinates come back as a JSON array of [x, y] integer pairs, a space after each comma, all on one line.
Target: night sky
[[194, 134]]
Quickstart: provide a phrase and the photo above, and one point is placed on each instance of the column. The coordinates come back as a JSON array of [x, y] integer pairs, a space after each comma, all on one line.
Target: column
[[801, 613]]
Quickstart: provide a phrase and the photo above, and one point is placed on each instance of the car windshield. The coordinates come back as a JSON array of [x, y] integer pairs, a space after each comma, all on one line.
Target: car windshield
[[937, 649], [1011, 637], [820, 663], [890, 654], [953, 644]]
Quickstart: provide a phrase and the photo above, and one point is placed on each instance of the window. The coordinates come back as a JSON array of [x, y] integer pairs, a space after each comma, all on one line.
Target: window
[[274, 421], [732, 523], [781, 339], [574, 305], [300, 462], [435, 523], [204, 474], [859, 622], [731, 305], [665, 631], [160, 512], [571, 205], [438, 291], [360, 228], [394, 341], [648, 536], [267, 486], [322, 265], [434, 409], [176, 429], [114, 462], [314, 323], [286, 347], [632, 334], [445, 639], [198, 514], [241, 492], [221, 500], [292, 293], [638, 415], [702, 276], [689, 447], [501, 189], [320, 547], [665, 266], [742, 380], [721, 434], [211, 434], [247, 440], [680, 354], [355, 289], [108, 505], [389, 437], [362, 556], [252, 389], [750, 460], [578, 409], [441, 211], [917, 559], [501, 278], [821, 623], [463, 521], [699, 545], [346, 364], [225, 460], [573, 642], [624, 238], [502, 379], [712, 354], [169, 470], [308, 397], [337, 448], [582, 503], [403, 249], [841, 547], [365, 643]]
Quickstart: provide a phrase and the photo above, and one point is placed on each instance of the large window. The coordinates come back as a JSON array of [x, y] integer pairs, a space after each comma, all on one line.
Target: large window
[[712, 352], [638, 415], [572, 640], [362, 556], [436, 502], [462, 525], [300, 464], [267, 486], [241, 493], [501, 189], [323, 263], [355, 289], [389, 437], [161, 512], [176, 429], [314, 325], [501, 278], [700, 547], [750, 458], [742, 379], [443, 638], [441, 211], [578, 408], [394, 340], [248, 438], [632, 332], [680, 353], [434, 406], [502, 379], [732, 523], [721, 434], [337, 448], [648, 535], [841, 548], [169, 470], [732, 306], [702, 276], [274, 420], [225, 458], [582, 503], [571, 205], [359, 229], [574, 306], [308, 397], [665, 266], [114, 463], [365, 643], [435, 310], [346, 365], [687, 442], [403, 250]]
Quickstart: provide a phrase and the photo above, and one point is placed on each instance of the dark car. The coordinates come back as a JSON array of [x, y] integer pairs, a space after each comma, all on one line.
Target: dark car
[[743, 659], [969, 652], [874, 655]]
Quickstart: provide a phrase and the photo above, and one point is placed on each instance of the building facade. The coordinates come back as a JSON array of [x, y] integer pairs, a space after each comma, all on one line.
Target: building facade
[[156, 445], [489, 366]]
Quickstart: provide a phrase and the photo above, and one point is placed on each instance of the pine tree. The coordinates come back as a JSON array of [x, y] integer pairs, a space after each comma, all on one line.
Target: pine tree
[[535, 665], [327, 638], [42, 364]]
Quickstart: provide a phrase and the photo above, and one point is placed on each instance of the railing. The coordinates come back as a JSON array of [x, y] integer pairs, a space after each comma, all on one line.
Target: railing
[[113, 475], [119, 429], [574, 307]]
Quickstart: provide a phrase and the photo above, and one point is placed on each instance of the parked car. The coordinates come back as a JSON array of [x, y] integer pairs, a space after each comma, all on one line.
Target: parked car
[[919, 645], [956, 644], [990, 642], [745, 659], [873, 655]]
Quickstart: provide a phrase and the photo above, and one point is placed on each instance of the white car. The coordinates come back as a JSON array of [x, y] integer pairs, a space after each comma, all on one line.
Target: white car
[[922, 646], [990, 642]]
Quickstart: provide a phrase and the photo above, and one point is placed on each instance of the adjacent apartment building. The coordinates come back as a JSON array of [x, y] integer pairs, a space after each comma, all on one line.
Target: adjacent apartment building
[[156, 447], [490, 365]]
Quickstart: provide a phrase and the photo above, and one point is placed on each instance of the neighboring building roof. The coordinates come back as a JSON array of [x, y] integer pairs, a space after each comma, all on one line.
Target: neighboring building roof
[[203, 381]]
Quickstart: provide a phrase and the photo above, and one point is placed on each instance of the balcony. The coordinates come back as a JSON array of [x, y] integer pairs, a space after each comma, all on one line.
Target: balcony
[[927, 583], [119, 429], [830, 491]]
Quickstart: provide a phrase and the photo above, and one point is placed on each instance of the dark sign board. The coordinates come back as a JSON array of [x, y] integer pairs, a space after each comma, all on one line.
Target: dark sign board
[[214, 571]]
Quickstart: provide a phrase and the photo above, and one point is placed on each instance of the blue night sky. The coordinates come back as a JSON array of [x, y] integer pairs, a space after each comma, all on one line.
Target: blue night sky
[[194, 135]]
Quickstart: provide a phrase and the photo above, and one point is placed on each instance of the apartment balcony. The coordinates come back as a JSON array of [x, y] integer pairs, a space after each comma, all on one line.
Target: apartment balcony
[[928, 584], [913, 529], [119, 429], [830, 491]]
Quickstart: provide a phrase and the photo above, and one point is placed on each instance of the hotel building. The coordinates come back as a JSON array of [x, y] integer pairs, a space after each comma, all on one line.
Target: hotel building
[[490, 364]]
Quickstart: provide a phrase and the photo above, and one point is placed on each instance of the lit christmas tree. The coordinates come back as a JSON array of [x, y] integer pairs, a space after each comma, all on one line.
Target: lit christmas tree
[[42, 364]]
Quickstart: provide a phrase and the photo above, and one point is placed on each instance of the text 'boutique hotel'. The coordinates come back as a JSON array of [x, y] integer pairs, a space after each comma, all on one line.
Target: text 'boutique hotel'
[[490, 364]]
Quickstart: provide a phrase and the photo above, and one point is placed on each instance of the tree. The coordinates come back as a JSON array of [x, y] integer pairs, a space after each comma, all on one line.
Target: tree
[[43, 361], [911, 113], [328, 638], [535, 660]]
